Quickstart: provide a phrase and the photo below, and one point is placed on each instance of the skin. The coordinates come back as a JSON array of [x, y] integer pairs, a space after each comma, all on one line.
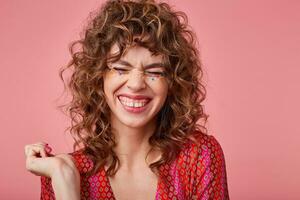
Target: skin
[[131, 128], [132, 131], [60, 168]]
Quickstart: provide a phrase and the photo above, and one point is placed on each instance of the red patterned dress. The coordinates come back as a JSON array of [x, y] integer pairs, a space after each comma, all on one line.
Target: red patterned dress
[[199, 172]]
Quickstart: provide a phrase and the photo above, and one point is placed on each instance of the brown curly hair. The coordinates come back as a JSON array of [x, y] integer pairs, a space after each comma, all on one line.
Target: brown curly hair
[[168, 34]]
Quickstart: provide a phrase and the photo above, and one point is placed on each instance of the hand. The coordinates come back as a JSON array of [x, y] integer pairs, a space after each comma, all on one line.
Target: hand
[[41, 162], [60, 168], [38, 161]]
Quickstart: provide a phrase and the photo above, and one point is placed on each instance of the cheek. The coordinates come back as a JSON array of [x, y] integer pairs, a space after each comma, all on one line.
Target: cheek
[[163, 88], [105, 86], [161, 91], [108, 88]]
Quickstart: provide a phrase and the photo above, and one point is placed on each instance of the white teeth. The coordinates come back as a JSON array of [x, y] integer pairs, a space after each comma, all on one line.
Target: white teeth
[[126, 99], [133, 103]]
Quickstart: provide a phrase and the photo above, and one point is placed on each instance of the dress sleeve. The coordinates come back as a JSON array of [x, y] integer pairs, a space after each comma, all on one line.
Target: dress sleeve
[[83, 164], [210, 178], [47, 192]]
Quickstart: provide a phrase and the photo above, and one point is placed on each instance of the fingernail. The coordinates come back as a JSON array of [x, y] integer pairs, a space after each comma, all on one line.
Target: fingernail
[[48, 148]]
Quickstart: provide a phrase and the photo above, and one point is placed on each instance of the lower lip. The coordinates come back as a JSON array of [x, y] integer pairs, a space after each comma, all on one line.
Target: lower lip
[[135, 110]]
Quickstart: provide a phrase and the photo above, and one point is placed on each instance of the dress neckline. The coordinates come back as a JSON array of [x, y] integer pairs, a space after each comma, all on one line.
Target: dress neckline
[[112, 192]]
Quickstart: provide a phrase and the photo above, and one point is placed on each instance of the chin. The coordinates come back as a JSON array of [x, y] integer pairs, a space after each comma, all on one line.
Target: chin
[[135, 123]]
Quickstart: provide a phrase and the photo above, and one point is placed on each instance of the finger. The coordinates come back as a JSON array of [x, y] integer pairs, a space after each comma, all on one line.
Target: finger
[[34, 151], [46, 148], [43, 153], [39, 151], [28, 149], [41, 143]]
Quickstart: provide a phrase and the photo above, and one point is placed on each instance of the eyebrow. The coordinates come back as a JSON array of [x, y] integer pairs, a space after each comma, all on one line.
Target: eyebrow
[[153, 65]]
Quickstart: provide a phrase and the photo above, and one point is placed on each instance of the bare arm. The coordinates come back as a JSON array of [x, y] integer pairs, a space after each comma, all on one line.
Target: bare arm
[[66, 179], [60, 168]]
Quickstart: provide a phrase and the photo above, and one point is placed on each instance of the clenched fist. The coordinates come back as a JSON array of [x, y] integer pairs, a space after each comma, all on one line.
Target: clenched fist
[[60, 168]]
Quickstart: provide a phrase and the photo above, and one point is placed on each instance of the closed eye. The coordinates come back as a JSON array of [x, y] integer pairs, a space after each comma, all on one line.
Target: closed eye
[[121, 69], [156, 73]]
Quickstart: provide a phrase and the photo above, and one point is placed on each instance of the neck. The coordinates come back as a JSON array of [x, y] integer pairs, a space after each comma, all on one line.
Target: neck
[[132, 144]]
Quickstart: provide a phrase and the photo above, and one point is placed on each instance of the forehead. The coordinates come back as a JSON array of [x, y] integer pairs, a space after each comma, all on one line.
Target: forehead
[[136, 54]]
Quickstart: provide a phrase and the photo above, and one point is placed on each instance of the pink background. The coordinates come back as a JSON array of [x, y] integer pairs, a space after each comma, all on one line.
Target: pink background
[[251, 54]]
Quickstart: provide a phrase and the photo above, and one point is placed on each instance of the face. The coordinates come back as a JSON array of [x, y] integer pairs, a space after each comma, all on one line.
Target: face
[[134, 97]]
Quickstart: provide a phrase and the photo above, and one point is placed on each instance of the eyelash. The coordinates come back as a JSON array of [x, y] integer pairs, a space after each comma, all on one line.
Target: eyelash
[[125, 70]]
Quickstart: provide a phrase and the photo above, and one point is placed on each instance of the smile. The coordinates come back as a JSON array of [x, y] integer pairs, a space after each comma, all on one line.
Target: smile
[[133, 105], [132, 102]]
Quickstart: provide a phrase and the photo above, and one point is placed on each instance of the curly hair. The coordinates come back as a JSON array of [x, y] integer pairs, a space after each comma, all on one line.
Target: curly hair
[[157, 27]]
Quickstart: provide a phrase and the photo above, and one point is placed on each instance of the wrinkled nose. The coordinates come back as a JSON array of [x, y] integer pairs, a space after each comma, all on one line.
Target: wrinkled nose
[[136, 81]]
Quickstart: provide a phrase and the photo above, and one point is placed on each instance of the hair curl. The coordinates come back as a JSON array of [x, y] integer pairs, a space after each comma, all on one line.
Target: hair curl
[[167, 31]]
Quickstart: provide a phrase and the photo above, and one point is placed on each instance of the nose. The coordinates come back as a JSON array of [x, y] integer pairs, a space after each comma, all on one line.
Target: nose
[[136, 81]]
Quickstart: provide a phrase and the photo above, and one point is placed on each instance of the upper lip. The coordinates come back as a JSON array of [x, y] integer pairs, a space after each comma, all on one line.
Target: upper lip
[[137, 97]]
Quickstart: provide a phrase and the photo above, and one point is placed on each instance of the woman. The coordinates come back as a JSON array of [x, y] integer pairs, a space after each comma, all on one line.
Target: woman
[[136, 99]]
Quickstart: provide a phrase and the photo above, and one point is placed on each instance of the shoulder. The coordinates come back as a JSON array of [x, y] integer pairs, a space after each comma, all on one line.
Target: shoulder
[[82, 161], [204, 146], [205, 168], [204, 151]]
